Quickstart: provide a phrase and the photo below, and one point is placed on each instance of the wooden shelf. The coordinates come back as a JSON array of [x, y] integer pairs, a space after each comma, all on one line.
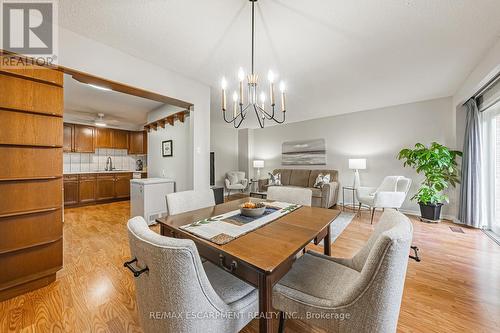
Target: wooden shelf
[[180, 116]]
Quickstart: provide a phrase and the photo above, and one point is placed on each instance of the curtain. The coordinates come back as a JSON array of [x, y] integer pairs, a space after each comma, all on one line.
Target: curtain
[[470, 190]]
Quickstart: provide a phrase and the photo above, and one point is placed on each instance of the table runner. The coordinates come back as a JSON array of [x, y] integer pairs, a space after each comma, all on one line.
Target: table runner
[[224, 228]]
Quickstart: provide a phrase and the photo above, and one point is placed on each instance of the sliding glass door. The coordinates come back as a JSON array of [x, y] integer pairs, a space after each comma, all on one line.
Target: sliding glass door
[[491, 168]]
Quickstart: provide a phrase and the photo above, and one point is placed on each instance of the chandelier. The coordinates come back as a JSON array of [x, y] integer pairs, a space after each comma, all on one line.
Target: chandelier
[[240, 108]]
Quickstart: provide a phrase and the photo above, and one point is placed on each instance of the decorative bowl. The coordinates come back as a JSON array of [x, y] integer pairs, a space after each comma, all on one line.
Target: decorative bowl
[[251, 209]]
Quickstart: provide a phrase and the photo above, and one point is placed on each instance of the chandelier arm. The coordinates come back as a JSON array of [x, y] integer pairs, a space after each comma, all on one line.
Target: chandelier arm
[[283, 120], [226, 120], [239, 123], [267, 115], [261, 121]]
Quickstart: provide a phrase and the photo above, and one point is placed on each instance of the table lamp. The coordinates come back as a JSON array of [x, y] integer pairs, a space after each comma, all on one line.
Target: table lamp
[[357, 164], [258, 164]]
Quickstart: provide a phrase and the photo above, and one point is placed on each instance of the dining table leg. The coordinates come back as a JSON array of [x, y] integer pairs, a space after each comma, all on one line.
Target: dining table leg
[[265, 304], [327, 242]]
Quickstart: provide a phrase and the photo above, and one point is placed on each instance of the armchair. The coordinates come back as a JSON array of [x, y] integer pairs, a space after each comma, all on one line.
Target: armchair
[[390, 194], [235, 180]]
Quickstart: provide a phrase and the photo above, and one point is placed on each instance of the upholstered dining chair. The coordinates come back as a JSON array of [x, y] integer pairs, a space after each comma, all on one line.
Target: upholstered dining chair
[[360, 294], [390, 194], [235, 180], [177, 293], [180, 202], [296, 195]]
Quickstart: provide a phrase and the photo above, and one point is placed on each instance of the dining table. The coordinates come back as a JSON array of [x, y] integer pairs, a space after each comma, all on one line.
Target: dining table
[[262, 256]]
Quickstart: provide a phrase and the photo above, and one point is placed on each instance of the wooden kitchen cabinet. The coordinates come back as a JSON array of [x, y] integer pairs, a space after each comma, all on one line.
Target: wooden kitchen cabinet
[[105, 187], [120, 139], [68, 137], [84, 139], [104, 138], [87, 188], [122, 185], [138, 143], [70, 190]]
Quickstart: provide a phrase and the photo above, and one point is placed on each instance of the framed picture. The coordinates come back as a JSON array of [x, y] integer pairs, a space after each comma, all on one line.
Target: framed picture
[[167, 148]]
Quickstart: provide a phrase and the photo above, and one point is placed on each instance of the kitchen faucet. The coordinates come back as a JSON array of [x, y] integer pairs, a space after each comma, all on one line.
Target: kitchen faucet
[[109, 164]]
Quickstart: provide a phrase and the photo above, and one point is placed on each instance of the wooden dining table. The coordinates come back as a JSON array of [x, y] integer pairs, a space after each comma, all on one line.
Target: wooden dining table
[[263, 256]]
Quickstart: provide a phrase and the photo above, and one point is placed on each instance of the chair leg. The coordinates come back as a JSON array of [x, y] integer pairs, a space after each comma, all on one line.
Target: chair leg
[[373, 213], [281, 327], [415, 257], [359, 210]]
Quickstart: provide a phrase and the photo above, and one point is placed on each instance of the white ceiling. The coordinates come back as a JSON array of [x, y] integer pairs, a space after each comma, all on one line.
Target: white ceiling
[[82, 103], [336, 56]]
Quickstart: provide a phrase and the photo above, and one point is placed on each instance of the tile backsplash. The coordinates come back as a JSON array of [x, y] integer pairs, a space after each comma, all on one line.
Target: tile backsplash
[[84, 162]]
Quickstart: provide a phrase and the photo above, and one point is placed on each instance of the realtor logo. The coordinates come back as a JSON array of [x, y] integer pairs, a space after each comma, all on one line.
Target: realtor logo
[[29, 28]]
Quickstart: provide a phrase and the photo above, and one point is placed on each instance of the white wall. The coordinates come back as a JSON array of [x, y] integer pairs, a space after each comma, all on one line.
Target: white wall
[[178, 166], [87, 55], [377, 135]]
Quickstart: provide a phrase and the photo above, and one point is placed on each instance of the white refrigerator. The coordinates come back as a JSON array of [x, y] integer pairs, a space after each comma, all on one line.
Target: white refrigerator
[[148, 197]]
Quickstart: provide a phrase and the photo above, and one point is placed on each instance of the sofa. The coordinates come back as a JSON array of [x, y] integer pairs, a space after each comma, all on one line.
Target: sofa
[[324, 197]]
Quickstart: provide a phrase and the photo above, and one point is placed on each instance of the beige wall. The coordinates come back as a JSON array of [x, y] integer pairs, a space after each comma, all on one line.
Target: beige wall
[[376, 135]]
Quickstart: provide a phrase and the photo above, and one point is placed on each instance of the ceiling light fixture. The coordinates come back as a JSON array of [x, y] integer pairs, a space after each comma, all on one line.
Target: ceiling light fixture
[[100, 120], [99, 87], [239, 107]]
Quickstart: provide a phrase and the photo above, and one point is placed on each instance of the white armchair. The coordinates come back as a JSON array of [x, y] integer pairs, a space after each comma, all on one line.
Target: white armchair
[[390, 194], [235, 180]]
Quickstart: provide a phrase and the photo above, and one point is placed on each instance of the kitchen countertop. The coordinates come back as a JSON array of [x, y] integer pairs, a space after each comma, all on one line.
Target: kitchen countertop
[[102, 171]]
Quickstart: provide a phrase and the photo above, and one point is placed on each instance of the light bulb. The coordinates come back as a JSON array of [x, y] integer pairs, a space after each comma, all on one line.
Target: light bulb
[[270, 76], [223, 83], [235, 96], [241, 74], [282, 86], [262, 97]]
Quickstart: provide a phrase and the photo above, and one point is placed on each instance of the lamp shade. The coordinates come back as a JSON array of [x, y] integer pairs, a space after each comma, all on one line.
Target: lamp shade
[[357, 163], [258, 164]]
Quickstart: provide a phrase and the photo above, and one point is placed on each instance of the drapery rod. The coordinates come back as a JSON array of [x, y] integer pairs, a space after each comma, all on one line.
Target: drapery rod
[[487, 85]]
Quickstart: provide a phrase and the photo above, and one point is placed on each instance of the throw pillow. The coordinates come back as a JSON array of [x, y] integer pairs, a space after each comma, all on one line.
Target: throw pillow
[[275, 180], [321, 180]]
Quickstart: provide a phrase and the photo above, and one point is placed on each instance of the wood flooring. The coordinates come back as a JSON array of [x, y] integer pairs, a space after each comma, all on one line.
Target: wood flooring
[[455, 288]]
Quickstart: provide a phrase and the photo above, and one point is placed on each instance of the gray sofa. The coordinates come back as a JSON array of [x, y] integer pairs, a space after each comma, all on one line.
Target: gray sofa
[[324, 197]]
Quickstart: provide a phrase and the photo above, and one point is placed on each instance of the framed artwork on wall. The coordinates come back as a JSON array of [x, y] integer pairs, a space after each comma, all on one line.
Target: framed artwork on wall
[[167, 148], [304, 152]]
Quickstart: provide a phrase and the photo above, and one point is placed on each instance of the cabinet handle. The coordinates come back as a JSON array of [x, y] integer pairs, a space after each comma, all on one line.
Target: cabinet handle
[[231, 268]]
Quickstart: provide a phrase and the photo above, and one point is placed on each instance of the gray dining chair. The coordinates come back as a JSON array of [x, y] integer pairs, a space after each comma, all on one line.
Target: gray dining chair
[[296, 195], [177, 293], [360, 294], [180, 202]]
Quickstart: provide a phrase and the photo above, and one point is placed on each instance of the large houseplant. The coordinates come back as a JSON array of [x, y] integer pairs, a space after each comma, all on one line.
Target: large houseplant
[[439, 166]]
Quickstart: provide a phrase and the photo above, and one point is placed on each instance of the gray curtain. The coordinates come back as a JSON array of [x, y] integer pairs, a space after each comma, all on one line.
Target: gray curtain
[[470, 202]]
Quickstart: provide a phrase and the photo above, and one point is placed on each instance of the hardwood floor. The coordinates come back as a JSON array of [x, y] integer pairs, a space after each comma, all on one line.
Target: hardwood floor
[[456, 287]]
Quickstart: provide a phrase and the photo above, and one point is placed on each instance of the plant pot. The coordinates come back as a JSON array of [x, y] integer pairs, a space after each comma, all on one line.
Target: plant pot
[[430, 212]]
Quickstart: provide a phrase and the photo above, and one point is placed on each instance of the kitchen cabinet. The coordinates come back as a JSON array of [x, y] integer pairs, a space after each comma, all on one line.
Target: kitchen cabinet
[[78, 138], [105, 187], [138, 143], [70, 190], [68, 137], [83, 139], [120, 139], [104, 137], [122, 185], [87, 188], [28, 129]]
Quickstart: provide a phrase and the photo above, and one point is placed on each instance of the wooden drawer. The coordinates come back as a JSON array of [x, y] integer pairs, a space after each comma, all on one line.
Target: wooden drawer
[[31, 96], [30, 229], [28, 264], [27, 162], [87, 176], [18, 128], [36, 72], [73, 177], [22, 196]]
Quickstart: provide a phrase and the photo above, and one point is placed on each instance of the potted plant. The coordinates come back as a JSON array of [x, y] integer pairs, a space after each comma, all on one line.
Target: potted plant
[[439, 166]]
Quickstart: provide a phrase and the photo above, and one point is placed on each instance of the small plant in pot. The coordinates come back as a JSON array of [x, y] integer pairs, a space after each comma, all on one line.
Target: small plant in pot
[[439, 166]]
